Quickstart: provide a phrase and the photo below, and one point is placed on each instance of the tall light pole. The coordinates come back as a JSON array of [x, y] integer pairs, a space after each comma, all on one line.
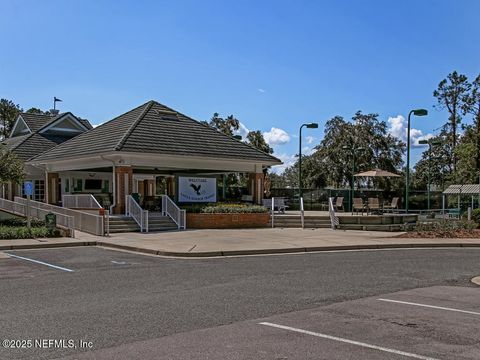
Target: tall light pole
[[417, 112], [430, 143], [352, 189], [300, 185]]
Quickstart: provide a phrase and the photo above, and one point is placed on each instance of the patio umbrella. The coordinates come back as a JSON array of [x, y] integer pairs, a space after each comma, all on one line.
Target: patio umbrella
[[377, 173]]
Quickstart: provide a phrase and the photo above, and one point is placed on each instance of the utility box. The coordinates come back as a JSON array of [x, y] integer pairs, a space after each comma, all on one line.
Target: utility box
[[51, 221]]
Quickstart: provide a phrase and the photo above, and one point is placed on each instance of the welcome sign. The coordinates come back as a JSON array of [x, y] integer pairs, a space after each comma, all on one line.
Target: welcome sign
[[197, 189]]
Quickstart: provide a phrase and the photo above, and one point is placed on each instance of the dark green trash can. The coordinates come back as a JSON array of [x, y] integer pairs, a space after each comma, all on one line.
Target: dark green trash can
[[51, 221]]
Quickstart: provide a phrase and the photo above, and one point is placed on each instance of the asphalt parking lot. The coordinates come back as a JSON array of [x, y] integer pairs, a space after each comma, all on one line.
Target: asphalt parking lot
[[339, 305]]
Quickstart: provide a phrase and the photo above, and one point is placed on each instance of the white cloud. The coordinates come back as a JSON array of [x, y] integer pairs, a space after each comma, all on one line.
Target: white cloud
[[243, 131], [288, 160], [310, 139], [262, 90], [276, 136], [398, 128]]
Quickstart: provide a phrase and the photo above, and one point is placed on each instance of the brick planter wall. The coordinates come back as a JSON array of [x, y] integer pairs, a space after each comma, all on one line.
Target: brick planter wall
[[227, 221]]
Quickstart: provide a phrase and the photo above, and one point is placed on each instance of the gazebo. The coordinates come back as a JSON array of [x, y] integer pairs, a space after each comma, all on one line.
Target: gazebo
[[459, 190]]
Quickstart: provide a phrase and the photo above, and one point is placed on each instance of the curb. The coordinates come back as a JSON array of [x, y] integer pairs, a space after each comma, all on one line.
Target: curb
[[239, 252]]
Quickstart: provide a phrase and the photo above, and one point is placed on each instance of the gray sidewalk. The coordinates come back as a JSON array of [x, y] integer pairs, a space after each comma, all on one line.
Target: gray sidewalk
[[197, 243]]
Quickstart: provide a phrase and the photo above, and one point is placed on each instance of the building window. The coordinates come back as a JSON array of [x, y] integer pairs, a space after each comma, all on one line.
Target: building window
[[39, 190]]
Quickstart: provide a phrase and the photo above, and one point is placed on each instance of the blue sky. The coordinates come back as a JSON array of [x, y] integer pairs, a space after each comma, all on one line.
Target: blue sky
[[270, 63]]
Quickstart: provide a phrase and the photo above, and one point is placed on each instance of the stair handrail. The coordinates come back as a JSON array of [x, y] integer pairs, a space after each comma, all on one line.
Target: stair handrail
[[134, 210], [170, 209]]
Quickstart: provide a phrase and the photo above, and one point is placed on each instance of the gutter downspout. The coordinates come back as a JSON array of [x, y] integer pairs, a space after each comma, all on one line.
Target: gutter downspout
[[114, 186]]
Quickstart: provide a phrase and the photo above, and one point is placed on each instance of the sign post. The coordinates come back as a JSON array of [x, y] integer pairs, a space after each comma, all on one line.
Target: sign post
[[28, 190]]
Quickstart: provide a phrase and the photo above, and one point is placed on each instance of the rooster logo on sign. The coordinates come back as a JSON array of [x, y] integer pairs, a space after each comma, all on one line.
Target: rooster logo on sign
[[196, 188]]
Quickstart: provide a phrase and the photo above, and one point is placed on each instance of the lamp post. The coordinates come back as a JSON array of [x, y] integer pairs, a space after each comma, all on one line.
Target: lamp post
[[308, 126], [352, 189], [417, 112], [430, 143]]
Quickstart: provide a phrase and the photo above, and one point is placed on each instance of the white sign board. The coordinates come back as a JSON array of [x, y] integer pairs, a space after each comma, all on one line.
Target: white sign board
[[197, 189]]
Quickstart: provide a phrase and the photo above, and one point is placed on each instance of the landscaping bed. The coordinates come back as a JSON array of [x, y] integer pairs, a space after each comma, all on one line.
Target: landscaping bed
[[15, 228], [461, 229], [227, 216]]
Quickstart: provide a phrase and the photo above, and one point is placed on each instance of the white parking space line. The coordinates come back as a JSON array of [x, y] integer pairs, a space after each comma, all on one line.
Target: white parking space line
[[40, 262], [347, 341], [431, 306]]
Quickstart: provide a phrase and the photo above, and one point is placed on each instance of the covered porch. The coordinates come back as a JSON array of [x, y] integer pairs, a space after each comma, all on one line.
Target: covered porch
[[110, 178]]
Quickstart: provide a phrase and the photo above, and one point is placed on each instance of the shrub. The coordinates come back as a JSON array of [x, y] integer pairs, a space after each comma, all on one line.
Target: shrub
[[22, 232], [19, 222], [233, 209], [445, 228], [476, 216]]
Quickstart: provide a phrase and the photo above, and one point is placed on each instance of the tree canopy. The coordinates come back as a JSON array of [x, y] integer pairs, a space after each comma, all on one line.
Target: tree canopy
[[11, 168]]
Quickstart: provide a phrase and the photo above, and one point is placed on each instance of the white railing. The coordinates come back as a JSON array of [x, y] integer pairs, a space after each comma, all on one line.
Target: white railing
[[34, 211], [170, 209], [80, 201], [86, 222], [334, 222], [134, 210]]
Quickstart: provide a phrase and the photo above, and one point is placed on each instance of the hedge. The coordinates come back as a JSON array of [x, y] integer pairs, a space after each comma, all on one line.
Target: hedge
[[22, 232], [19, 222], [233, 209]]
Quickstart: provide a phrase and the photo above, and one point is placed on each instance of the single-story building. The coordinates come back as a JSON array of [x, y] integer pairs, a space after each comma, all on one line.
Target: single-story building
[[65, 155]]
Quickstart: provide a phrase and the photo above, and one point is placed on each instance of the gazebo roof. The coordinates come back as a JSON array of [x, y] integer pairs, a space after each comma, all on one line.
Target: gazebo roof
[[467, 189]]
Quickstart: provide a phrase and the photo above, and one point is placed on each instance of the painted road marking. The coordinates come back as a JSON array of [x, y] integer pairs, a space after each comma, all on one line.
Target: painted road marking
[[118, 262], [431, 306], [40, 262], [352, 342]]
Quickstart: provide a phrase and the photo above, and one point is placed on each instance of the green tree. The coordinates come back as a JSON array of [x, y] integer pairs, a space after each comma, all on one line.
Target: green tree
[[11, 168], [450, 95], [35, 110], [256, 139], [8, 114], [441, 165], [226, 126], [471, 105]]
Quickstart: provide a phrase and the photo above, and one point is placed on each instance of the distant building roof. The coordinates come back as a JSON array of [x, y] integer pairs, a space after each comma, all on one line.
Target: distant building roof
[[468, 189], [35, 143], [156, 129]]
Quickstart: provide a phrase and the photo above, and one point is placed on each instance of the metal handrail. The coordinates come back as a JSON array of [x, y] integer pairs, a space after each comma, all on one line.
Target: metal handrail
[[170, 209], [33, 211], [82, 201], [134, 210]]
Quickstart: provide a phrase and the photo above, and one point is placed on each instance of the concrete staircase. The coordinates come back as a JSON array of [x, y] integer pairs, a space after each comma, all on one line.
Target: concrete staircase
[[156, 222], [294, 221]]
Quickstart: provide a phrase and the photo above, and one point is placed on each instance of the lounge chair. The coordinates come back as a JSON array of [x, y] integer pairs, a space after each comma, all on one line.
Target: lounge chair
[[373, 205], [392, 206], [358, 205], [339, 204]]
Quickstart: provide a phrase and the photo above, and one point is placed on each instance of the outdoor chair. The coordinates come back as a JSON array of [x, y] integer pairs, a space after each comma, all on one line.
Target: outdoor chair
[[373, 205], [393, 205], [358, 205], [339, 204], [278, 205]]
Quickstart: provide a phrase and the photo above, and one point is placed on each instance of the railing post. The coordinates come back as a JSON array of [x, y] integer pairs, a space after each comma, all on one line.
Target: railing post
[[146, 221], [273, 211]]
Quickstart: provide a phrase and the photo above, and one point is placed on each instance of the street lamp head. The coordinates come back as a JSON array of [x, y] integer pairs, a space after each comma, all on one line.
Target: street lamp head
[[423, 142], [420, 112], [312, 126]]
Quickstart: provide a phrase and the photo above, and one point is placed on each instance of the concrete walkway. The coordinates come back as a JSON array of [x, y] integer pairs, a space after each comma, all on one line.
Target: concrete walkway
[[196, 243]]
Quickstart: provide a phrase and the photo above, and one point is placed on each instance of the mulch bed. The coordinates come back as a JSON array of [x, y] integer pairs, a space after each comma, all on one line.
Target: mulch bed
[[460, 234]]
